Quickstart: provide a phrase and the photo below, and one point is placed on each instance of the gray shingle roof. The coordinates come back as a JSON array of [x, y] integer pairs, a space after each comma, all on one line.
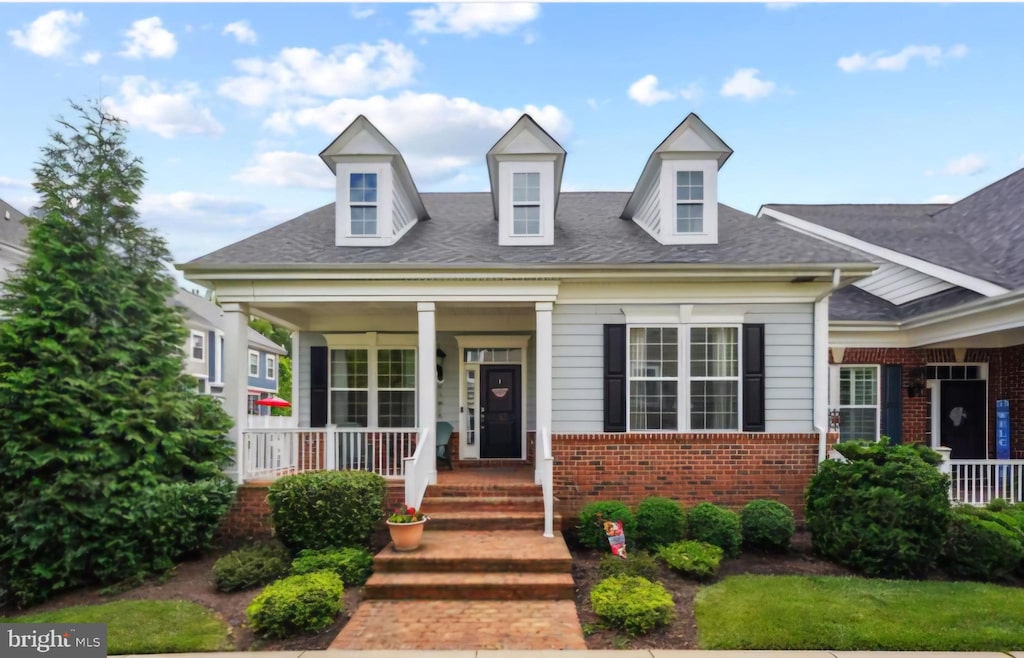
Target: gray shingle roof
[[852, 303], [588, 230]]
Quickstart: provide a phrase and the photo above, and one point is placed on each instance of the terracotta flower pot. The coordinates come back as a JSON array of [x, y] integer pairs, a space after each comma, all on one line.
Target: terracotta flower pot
[[406, 536]]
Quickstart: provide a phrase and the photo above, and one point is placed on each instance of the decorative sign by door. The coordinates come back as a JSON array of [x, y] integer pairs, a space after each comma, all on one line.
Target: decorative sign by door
[[1002, 429], [499, 393]]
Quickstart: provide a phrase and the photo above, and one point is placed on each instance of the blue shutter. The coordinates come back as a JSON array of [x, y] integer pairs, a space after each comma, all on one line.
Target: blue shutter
[[892, 403]]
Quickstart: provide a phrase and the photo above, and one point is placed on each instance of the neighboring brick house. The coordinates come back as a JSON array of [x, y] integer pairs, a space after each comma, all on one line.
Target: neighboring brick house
[[924, 349], [12, 239], [657, 341]]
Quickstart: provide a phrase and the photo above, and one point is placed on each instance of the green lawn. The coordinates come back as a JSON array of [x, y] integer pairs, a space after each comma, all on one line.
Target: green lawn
[[803, 612], [147, 626]]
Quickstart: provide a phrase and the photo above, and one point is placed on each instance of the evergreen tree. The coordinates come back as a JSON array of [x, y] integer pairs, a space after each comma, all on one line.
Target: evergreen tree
[[96, 415]]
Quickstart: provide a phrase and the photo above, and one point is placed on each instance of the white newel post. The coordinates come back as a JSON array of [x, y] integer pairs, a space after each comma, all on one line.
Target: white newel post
[[236, 377], [543, 420], [427, 378], [296, 357]]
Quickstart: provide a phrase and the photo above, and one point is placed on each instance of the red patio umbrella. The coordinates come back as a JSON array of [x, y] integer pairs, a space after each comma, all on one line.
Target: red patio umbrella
[[274, 401]]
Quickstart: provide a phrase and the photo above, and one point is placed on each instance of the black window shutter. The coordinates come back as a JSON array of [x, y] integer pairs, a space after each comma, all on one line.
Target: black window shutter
[[892, 402], [753, 378], [318, 386], [615, 378]]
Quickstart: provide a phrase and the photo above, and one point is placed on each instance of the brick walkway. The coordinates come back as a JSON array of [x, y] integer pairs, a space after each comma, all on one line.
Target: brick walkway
[[462, 625]]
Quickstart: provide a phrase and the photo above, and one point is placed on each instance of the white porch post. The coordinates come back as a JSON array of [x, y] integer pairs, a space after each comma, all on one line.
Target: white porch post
[[296, 358], [427, 384], [544, 350], [820, 396], [236, 377]]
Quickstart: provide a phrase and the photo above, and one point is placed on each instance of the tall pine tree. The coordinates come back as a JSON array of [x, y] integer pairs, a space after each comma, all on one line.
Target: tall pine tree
[[97, 419]]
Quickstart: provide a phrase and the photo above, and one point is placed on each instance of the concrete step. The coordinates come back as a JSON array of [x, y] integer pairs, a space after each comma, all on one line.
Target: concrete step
[[490, 503], [471, 586], [479, 551], [490, 520]]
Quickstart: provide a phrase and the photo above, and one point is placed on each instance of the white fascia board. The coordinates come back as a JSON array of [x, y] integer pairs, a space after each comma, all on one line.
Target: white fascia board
[[954, 277]]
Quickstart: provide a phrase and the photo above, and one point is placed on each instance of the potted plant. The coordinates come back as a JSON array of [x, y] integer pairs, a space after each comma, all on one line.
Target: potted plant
[[406, 527]]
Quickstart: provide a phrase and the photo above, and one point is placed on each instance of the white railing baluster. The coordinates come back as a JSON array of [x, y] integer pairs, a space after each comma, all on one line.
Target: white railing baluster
[[977, 481]]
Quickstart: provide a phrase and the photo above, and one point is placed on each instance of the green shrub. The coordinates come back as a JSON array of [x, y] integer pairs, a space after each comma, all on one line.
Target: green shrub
[[716, 525], [326, 509], [297, 604], [631, 603], [980, 549], [591, 529], [997, 505], [250, 566], [767, 525], [354, 565], [183, 516], [659, 521], [693, 559], [639, 563], [884, 512]]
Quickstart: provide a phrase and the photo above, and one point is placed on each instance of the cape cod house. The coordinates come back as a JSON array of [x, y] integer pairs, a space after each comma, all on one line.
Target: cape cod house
[[930, 348], [622, 344]]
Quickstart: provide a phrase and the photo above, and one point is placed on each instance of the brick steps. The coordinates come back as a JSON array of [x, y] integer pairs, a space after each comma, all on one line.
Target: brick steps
[[490, 520], [471, 586], [475, 551], [489, 503]]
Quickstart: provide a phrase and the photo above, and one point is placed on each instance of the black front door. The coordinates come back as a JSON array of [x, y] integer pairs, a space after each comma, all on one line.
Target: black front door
[[500, 411], [962, 418]]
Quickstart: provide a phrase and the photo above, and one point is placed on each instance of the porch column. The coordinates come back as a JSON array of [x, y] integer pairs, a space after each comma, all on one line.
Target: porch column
[[543, 420], [820, 370], [426, 374], [236, 376], [296, 357]]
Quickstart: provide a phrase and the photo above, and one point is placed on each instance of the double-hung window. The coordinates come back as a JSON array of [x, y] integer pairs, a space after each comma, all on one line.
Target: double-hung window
[[689, 202], [271, 367], [198, 346], [526, 203], [858, 403], [684, 378], [254, 364], [373, 387], [362, 197]]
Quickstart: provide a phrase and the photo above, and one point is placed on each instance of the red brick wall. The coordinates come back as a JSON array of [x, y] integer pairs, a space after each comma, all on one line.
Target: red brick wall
[[249, 516], [727, 469]]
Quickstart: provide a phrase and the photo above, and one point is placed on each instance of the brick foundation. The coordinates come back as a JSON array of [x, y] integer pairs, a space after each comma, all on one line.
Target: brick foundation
[[249, 516]]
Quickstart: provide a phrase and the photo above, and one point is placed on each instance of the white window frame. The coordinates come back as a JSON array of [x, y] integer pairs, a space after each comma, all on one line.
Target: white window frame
[[379, 165], [667, 226], [371, 343], [193, 334], [688, 202], [365, 204], [254, 353], [529, 203], [834, 382], [683, 376], [506, 173], [271, 367]]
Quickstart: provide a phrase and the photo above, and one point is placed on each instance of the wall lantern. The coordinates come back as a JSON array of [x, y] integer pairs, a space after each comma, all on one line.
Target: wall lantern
[[916, 384]]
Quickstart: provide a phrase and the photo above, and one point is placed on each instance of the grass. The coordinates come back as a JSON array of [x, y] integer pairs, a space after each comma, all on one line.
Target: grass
[[146, 626], [819, 612]]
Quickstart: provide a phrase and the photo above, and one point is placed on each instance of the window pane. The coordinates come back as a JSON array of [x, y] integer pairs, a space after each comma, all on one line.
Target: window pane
[[858, 386], [526, 220], [689, 186], [526, 188], [714, 352], [714, 405], [652, 405], [653, 352], [397, 408], [348, 408], [396, 369], [857, 424], [349, 369], [364, 220], [197, 347], [362, 188], [689, 217]]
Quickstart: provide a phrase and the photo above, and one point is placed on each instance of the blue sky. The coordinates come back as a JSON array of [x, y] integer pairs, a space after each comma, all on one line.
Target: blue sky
[[230, 103]]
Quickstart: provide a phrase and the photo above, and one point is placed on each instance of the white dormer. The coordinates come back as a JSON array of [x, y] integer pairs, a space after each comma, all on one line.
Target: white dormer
[[377, 200], [525, 167], [676, 198]]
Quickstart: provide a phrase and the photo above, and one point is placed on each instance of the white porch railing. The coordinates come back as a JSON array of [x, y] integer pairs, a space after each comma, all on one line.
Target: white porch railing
[[271, 453], [270, 422], [419, 469], [977, 481], [544, 476]]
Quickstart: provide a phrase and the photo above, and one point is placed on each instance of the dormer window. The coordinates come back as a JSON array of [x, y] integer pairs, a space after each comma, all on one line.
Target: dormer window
[[362, 190], [689, 202], [526, 203]]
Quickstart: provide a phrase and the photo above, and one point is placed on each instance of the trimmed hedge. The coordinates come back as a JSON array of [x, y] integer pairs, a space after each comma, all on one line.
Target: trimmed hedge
[[326, 509], [634, 604], [297, 604], [716, 525], [767, 525], [639, 563], [250, 566], [659, 521], [354, 565], [980, 549], [693, 559], [591, 530]]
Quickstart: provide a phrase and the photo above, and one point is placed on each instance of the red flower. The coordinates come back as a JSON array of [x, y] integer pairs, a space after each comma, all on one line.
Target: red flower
[[411, 510]]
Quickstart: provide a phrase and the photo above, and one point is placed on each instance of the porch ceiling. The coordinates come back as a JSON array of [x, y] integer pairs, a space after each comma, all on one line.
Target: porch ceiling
[[395, 316]]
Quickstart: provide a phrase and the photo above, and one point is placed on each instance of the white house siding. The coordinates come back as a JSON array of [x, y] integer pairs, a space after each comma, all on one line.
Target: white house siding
[[578, 364], [649, 212]]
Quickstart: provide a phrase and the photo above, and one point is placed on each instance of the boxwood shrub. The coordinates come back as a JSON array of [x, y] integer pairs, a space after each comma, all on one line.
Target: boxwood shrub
[[659, 521], [634, 604], [693, 559], [250, 566], [716, 525], [354, 565], [297, 604], [639, 563], [979, 549], [591, 528], [326, 509], [884, 512], [767, 525]]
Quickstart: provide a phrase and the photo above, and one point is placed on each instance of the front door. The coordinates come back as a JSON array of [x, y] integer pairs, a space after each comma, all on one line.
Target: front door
[[500, 413], [962, 418]]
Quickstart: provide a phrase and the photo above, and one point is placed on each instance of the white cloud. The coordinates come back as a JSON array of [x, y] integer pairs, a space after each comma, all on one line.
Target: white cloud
[[287, 169], [645, 91], [148, 38], [943, 198], [745, 84], [361, 13], [967, 165], [185, 202], [436, 134], [879, 61], [7, 181], [50, 34], [691, 92], [241, 30], [146, 105], [296, 74], [92, 57], [474, 18]]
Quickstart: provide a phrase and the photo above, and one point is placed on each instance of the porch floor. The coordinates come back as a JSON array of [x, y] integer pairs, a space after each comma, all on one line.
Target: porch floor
[[484, 478]]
